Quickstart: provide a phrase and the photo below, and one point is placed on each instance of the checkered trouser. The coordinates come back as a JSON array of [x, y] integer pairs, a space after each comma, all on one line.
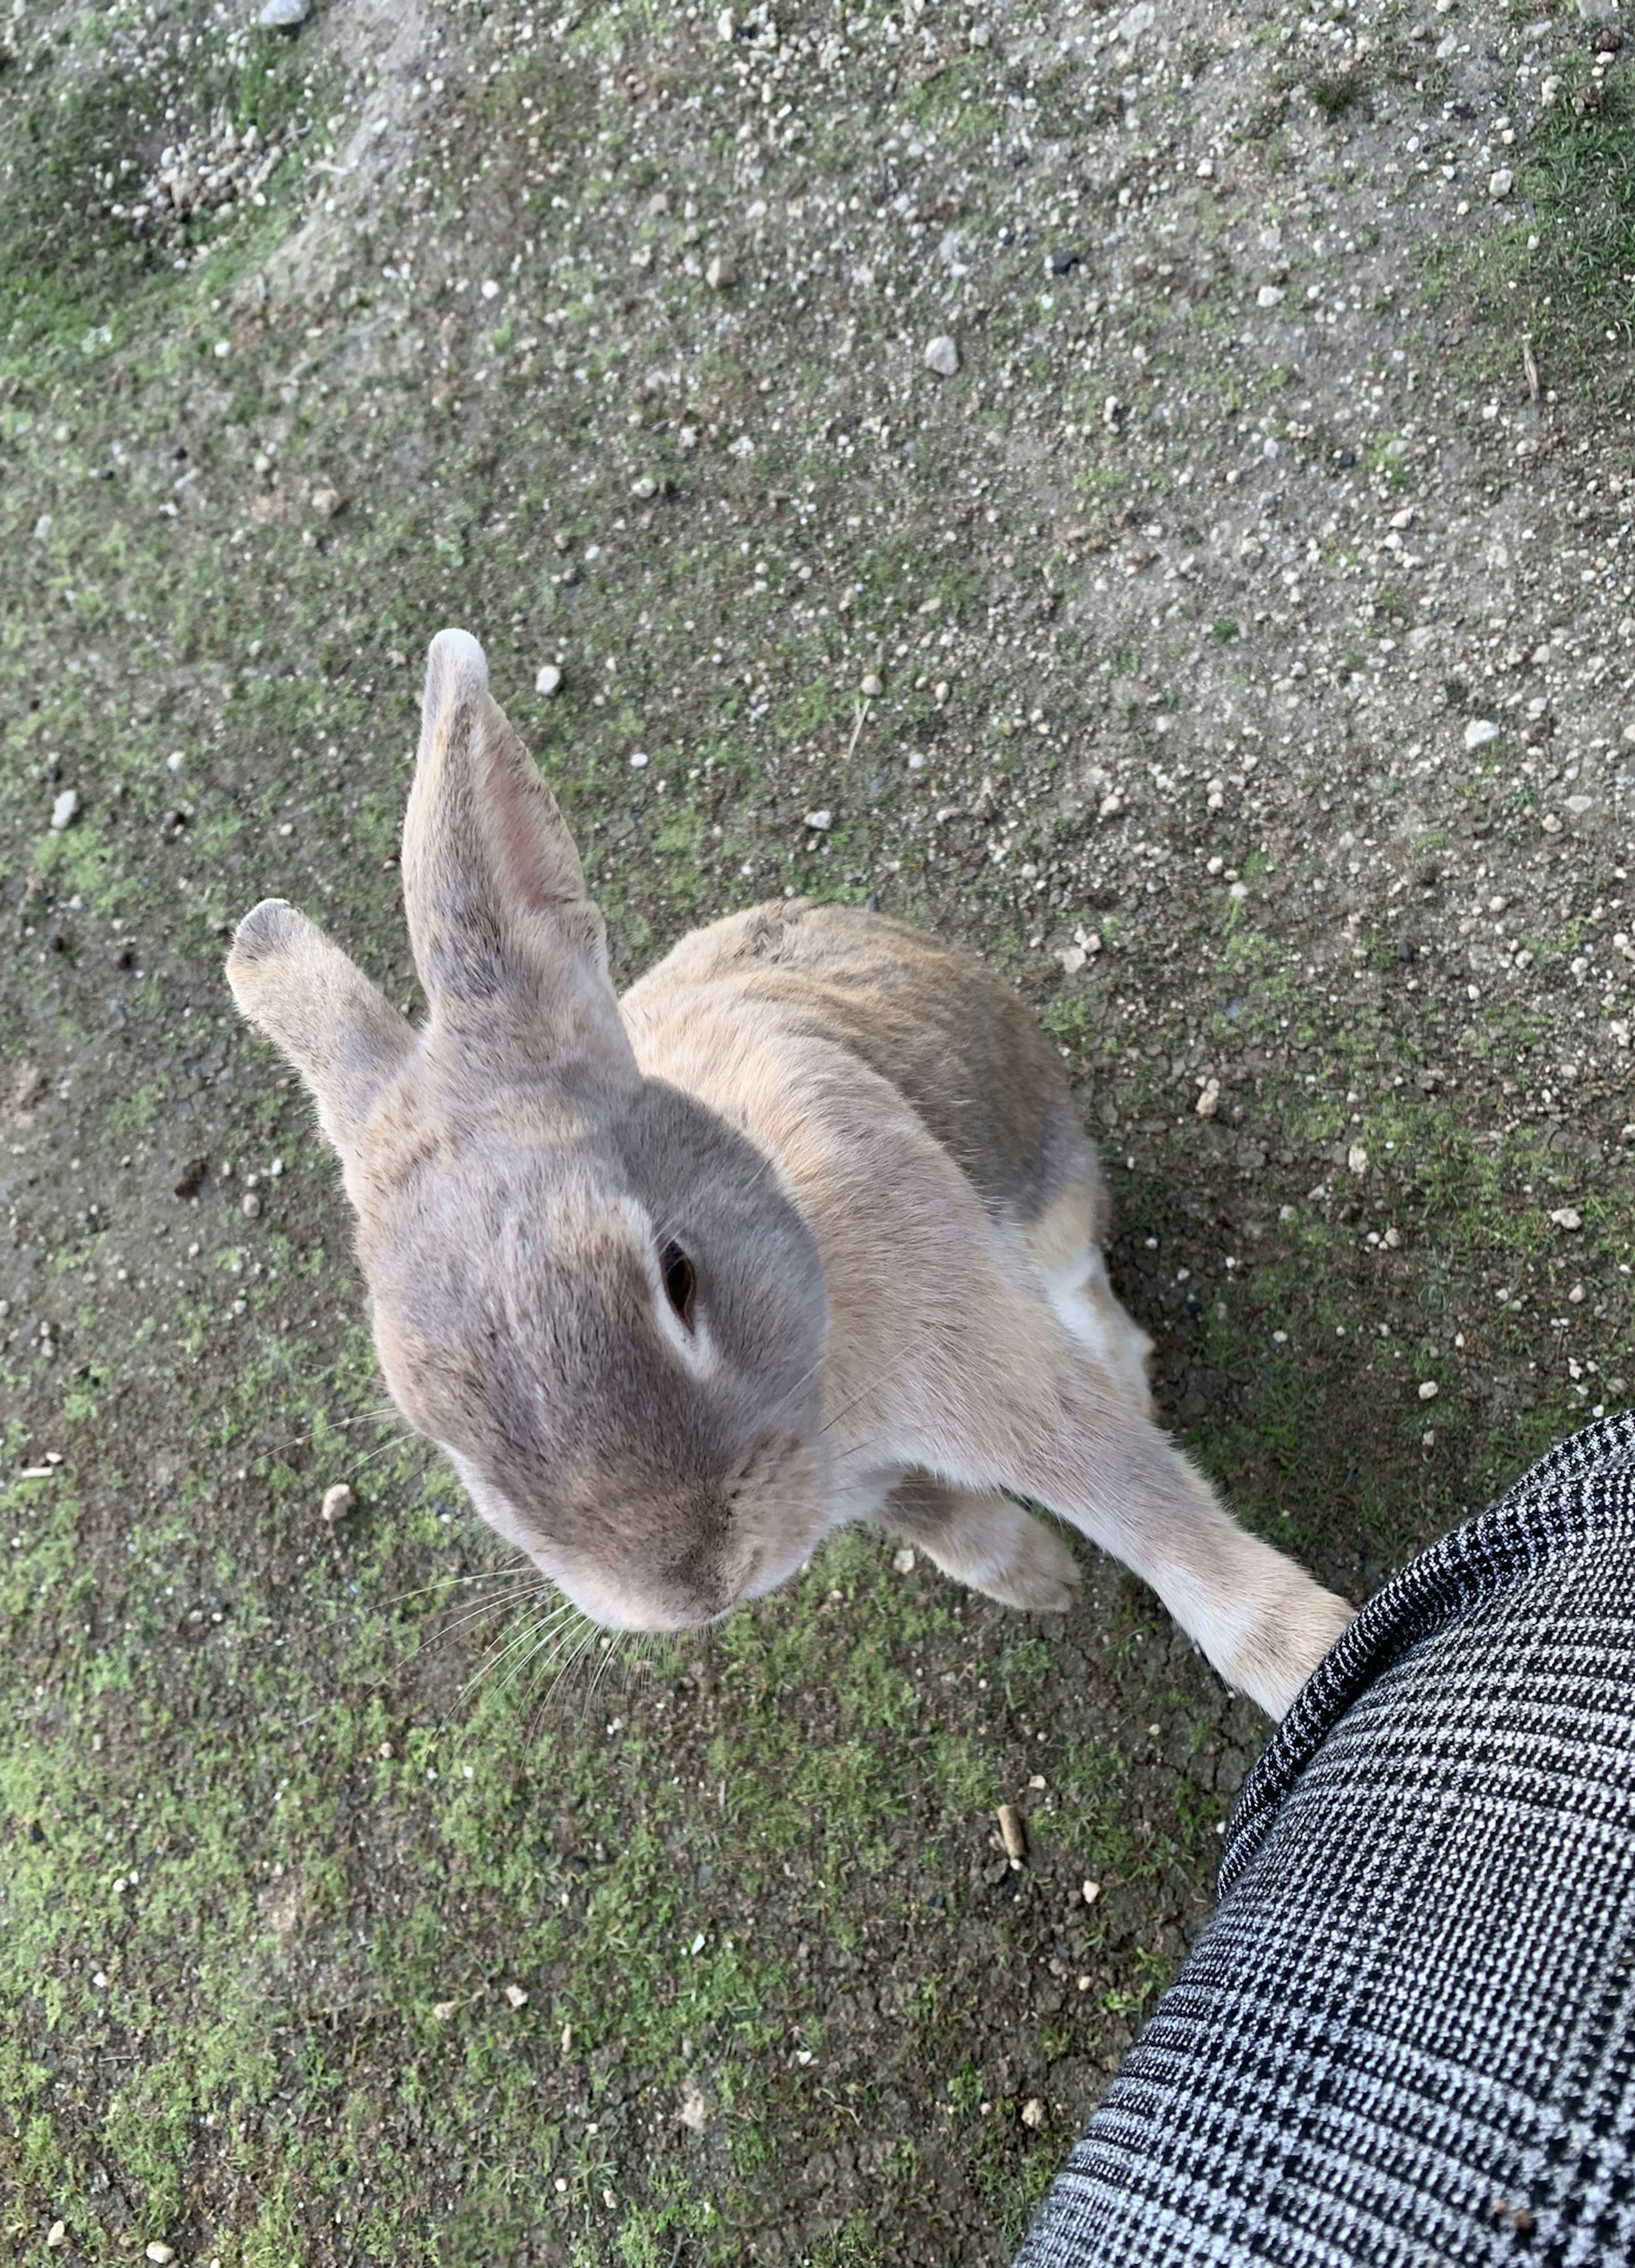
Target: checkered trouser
[[1407, 2036]]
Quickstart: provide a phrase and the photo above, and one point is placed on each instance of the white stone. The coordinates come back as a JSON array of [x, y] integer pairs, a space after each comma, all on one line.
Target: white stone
[[1429, 1390], [1567, 1217], [942, 355], [1270, 295], [1357, 1159], [871, 688], [276, 16], [548, 679], [1478, 733], [820, 821], [62, 810], [722, 273], [336, 1504], [1500, 184], [1135, 20], [645, 488]]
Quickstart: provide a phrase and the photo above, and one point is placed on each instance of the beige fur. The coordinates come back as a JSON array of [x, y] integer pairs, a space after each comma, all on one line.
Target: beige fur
[[804, 1231]]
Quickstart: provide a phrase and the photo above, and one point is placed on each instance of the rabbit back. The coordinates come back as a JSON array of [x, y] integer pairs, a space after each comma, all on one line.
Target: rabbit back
[[957, 1045]]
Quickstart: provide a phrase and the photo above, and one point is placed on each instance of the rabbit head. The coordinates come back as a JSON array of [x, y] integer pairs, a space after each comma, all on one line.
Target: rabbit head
[[590, 1289]]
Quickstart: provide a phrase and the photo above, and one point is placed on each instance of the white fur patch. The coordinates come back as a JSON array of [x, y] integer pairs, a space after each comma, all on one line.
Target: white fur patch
[[1084, 1305]]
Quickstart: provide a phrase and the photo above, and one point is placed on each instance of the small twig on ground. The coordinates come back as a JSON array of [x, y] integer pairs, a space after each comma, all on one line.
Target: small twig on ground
[[856, 729]]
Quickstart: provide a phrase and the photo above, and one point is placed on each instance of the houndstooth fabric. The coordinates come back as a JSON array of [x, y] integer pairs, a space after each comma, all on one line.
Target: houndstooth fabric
[[1407, 2036]]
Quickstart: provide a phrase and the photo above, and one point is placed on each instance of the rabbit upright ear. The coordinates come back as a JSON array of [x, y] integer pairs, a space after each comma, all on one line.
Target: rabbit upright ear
[[508, 945], [343, 1036]]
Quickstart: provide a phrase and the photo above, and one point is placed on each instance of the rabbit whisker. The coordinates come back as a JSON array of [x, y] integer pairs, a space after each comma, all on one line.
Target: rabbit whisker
[[490, 1575], [880, 1379], [481, 1613], [531, 1632], [553, 1661]]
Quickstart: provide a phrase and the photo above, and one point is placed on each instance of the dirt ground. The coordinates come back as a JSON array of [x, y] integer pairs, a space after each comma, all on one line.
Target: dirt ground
[[1144, 491]]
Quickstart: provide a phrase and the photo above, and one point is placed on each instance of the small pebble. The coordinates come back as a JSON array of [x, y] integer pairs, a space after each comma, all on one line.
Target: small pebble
[[904, 1561], [62, 810], [1428, 1390], [158, 2252], [1013, 1832], [1091, 1892], [1270, 295], [251, 1205], [1500, 184], [722, 273], [1033, 2112], [336, 1504], [174, 761], [820, 821], [1567, 1217], [517, 1996], [1479, 731], [56, 2235], [490, 289], [1357, 1159], [325, 503], [284, 15], [1209, 1102], [643, 488], [942, 356], [548, 679], [871, 688]]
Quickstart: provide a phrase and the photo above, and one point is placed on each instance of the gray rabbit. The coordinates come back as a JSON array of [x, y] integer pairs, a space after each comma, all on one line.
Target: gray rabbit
[[804, 1230]]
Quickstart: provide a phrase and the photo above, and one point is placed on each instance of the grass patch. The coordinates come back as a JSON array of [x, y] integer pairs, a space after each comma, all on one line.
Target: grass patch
[[1558, 269]]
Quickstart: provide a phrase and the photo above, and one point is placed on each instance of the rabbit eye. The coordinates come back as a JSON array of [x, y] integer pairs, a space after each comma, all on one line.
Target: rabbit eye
[[679, 1282]]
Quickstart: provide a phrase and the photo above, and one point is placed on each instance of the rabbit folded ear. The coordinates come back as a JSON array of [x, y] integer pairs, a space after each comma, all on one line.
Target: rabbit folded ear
[[509, 948], [342, 1034]]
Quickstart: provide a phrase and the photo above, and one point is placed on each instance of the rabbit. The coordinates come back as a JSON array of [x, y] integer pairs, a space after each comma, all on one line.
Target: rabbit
[[802, 1231]]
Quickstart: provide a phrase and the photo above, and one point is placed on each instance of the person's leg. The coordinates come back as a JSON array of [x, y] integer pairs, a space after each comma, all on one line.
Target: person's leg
[[1407, 2036]]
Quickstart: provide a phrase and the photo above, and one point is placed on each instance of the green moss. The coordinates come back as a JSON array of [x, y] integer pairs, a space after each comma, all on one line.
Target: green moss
[[1558, 270]]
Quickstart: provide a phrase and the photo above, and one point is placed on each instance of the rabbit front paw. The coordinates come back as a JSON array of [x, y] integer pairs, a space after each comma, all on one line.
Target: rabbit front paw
[[988, 1543]]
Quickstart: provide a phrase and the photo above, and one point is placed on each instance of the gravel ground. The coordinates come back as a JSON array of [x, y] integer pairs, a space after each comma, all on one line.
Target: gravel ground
[[1147, 492]]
